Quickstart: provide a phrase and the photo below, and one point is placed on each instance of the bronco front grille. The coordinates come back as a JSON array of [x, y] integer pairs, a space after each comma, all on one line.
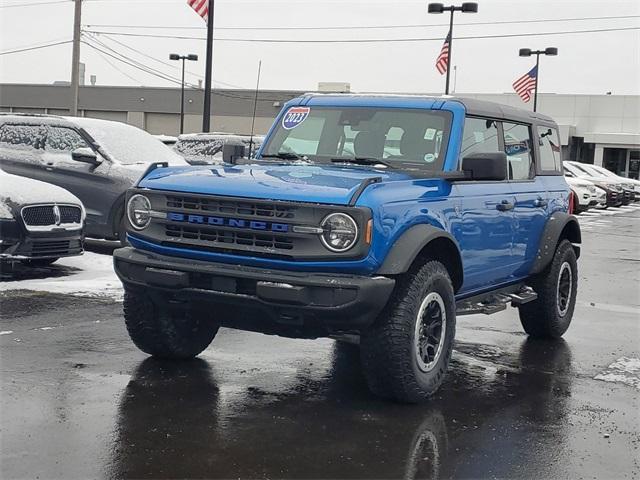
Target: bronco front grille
[[230, 207], [229, 237]]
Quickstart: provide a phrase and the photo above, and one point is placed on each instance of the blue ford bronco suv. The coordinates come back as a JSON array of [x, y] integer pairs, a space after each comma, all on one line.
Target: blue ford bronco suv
[[375, 218]]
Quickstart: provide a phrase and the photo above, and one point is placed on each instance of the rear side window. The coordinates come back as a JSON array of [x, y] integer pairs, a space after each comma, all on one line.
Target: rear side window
[[21, 135], [64, 139], [517, 146], [479, 136], [550, 149]]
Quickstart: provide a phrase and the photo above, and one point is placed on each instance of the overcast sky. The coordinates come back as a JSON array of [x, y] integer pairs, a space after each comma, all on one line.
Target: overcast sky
[[587, 62]]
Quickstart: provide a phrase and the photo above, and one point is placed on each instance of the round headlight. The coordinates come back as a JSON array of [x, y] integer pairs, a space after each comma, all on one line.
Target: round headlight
[[340, 232], [139, 212]]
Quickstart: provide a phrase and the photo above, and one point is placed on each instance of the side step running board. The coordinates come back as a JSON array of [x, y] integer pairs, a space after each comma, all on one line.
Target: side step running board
[[496, 302]]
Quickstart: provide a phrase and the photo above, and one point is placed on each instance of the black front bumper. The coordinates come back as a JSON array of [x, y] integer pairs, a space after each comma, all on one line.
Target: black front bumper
[[299, 304], [16, 244]]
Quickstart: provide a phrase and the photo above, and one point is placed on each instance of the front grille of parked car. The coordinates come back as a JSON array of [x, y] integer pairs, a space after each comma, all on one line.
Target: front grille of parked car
[[50, 248], [45, 215], [230, 207], [226, 237]]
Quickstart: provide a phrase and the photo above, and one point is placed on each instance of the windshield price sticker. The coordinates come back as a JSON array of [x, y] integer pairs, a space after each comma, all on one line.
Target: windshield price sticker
[[294, 117]]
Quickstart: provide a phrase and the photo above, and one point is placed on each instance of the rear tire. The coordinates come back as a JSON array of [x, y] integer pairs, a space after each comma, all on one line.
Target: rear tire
[[163, 332], [549, 316], [406, 352]]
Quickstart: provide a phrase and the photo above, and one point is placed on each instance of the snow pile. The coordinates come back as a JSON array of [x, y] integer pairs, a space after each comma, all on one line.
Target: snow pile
[[624, 370], [88, 275]]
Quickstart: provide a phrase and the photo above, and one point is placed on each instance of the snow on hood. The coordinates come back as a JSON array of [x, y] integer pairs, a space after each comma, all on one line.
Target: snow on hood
[[127, 144], [578, 182], [19, 191]]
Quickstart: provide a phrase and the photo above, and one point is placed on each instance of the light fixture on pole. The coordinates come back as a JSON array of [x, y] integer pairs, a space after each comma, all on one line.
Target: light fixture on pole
[[527, 52], [466, 7], [193, 58]]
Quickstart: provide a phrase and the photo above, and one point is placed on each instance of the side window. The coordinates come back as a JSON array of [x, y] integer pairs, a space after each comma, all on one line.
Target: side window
[[517, 146], [21, 135], [550, 149], [479, 136], [64, 139]]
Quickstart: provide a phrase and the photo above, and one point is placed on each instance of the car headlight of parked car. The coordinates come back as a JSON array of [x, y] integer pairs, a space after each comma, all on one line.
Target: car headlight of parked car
[[139, 212], [340, 232]]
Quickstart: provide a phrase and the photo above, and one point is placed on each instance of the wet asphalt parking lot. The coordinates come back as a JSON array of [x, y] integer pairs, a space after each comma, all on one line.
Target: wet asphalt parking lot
[[78, 400]]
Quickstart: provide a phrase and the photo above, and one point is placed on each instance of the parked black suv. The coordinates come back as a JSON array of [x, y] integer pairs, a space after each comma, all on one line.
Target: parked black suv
[[96, 160]]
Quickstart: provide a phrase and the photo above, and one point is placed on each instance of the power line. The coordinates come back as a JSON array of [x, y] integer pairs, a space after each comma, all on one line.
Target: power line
[[363, 27], [369, 40], [37, 47], [114, 66], [16, 5]]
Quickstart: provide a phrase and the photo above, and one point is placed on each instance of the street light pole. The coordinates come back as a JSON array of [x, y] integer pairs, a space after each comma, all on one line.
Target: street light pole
[[192, 57], [466, 7], [75, 61], [527, 52]]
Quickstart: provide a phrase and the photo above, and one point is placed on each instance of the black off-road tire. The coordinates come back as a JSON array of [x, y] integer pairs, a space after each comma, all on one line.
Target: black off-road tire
[[387, 349], [546, 317], [39, 262], [164, 332]]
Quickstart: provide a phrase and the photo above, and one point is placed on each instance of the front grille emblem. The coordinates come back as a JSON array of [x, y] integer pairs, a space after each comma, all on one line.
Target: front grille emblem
[[56, 215]]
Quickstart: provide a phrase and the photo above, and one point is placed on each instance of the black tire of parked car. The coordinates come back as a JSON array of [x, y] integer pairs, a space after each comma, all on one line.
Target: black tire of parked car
[[550, 314], [163, 332], [39, 262], [388, 348]]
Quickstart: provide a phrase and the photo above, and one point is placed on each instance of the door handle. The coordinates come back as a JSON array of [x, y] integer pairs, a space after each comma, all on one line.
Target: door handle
[[539, 202], [49, 169], [504, 206]]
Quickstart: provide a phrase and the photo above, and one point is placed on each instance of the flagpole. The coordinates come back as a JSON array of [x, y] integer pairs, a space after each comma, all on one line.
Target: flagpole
[[535, 93], [446, 88], [206, 111]]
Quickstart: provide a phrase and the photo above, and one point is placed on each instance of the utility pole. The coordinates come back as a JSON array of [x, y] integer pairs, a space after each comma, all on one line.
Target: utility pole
[[206, 111], [75, 61], [527, 52]]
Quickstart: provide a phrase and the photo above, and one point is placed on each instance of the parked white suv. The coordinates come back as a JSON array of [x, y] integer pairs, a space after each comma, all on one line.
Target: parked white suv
[[584, 192]]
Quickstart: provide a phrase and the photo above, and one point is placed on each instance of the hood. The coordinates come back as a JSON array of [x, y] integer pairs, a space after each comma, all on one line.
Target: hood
[[297, 183], [19, 191], [578, 182]]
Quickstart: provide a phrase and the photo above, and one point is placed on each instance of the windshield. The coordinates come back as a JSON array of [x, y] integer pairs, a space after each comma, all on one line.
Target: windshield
[[127, 144], [411, 138]]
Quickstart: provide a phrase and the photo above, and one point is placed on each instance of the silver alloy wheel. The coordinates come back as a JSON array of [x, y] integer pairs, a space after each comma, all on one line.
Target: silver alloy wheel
[[430, 331], [564, 289]]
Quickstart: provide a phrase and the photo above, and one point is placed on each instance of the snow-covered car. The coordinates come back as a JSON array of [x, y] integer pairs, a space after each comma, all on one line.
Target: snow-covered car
[[601, 197], [584, 192], [615, 193], [39, 222], [631, 186], [206, 148], [96, 160]]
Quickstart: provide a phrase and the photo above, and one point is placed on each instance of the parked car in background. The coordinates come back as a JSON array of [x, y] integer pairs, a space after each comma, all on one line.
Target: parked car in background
[[601, 196], [206, 148], [168, 140], [584, 193], [39, 223], [96, 160], [630, 186], [615, 193]]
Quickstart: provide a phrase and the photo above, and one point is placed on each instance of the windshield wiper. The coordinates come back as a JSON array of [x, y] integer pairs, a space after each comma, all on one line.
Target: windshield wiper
[[361, 161], [283, 156]]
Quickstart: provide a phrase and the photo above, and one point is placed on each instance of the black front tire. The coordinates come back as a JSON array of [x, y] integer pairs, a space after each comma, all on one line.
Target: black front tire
[[166, 332], [549, 316], [39, 262], [394, 365]]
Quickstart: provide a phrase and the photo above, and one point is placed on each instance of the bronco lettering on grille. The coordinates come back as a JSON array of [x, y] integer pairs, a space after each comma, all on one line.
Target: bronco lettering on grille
[[228, 222]]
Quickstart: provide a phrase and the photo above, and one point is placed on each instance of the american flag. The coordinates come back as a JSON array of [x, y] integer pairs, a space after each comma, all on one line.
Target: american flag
[[526, 84], [441, 61], [201, 7]]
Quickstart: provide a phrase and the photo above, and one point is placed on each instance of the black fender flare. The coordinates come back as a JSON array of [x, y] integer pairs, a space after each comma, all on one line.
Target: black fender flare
[[116, 212], [411, 244], [560, 225]]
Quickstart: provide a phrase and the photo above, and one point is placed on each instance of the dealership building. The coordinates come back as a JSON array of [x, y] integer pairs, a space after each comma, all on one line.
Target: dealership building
[[599, 129]]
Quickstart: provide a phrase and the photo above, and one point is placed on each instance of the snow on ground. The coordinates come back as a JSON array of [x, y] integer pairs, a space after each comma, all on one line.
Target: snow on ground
[[90, 274], [624, 370]]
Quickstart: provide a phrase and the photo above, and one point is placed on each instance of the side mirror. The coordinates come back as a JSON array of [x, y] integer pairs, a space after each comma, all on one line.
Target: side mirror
[[232, 151], [85, 155], [485, 166]]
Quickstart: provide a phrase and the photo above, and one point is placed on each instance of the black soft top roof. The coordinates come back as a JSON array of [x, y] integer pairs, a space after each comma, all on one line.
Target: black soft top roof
[[504, 112]]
